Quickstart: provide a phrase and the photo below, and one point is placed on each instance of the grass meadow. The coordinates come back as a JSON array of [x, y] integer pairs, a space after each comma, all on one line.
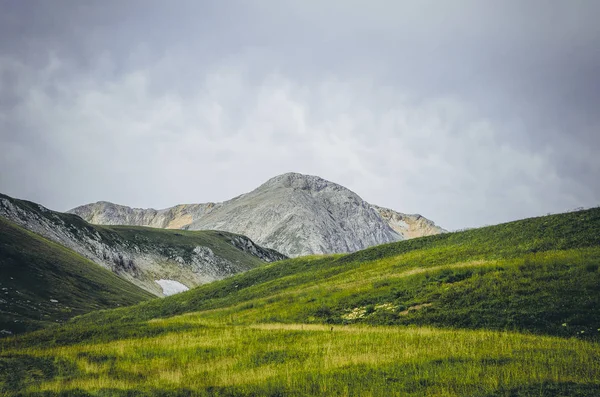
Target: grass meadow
[[302, 359]]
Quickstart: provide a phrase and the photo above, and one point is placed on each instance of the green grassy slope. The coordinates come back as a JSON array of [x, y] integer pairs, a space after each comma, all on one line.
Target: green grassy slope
[[504, 310], [34, 271]]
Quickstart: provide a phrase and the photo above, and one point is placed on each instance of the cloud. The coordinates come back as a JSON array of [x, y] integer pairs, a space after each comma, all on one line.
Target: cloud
[[422, 109]]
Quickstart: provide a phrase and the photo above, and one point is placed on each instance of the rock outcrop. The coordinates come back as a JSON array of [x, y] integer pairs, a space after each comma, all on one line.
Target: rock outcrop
[[408, 225]]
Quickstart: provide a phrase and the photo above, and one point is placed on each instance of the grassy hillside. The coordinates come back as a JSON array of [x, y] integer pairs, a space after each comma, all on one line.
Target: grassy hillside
[[42, 283], [507, 310]]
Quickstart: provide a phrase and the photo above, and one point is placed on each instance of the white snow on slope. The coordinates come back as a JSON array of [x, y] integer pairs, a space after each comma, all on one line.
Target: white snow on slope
[[171, 287]]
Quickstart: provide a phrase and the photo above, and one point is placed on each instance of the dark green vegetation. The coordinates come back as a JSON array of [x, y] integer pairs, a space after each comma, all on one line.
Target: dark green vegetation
[[507, 310], [43, 283]]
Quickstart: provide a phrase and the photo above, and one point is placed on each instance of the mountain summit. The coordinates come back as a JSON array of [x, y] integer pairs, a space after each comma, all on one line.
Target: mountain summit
[[292, 213]]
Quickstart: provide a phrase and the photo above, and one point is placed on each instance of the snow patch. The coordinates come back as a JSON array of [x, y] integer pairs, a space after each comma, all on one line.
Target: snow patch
[[53, 301], [171, 287]]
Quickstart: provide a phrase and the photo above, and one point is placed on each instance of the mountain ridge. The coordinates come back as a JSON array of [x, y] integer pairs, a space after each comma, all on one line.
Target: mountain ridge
[[293, 213], [142, 255]]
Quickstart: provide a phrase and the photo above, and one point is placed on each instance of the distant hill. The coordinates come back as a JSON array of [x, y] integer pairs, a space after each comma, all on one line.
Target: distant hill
[[144, 256], [292, 213], [43, 283]]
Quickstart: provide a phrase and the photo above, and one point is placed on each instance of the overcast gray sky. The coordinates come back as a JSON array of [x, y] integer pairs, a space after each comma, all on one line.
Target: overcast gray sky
[[468, 112]]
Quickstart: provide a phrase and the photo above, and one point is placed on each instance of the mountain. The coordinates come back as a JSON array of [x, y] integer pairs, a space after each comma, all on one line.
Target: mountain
[[505, 310], [153, 259], [292, 213], [42, 282]]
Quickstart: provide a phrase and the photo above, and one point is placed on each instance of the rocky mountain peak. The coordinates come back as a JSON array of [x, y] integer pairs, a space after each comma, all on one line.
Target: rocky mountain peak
[[294, 180], [293, 213]]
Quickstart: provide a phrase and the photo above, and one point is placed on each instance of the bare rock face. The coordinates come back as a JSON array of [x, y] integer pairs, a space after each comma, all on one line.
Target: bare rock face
[[292, 213], [301, 215]]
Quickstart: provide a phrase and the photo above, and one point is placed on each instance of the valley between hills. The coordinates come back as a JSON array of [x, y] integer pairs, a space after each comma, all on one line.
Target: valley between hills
[[331, 298]]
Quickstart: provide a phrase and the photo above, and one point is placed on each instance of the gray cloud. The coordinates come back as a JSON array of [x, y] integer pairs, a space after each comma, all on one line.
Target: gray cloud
[[471, 113]]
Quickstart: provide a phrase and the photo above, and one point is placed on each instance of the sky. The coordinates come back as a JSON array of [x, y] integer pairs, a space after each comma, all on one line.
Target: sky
[[470, 112]]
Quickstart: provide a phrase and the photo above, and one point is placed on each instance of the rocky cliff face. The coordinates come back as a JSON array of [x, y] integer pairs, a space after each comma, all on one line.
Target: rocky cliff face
[[143, 255], [292, 213]]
